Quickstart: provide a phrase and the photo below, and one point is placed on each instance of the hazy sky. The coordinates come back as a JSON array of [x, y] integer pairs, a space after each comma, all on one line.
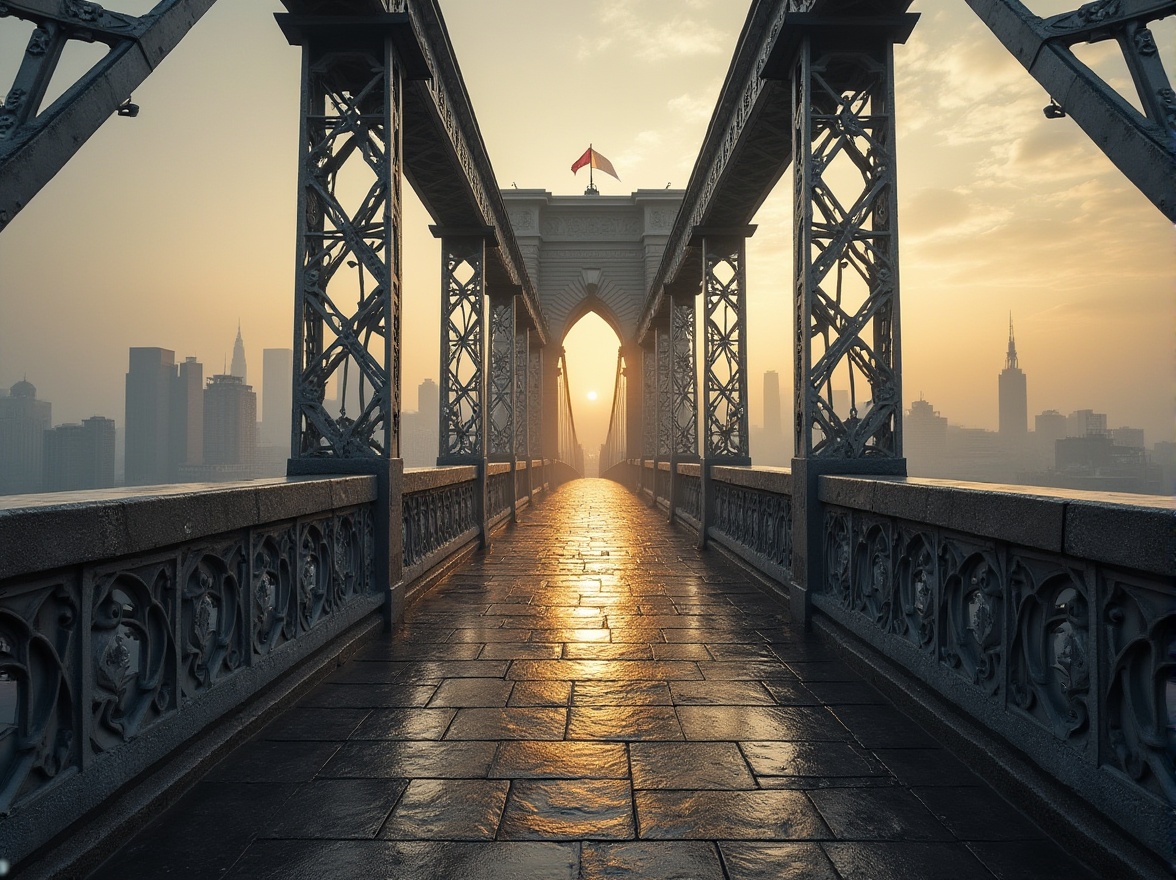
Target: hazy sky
[[166, 229]]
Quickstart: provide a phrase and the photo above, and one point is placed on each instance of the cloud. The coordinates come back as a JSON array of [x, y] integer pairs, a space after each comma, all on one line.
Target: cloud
[[649, 34], [692, 107]]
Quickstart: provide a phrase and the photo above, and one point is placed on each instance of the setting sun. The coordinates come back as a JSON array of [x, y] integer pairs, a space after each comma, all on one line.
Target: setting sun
[[592, 395]]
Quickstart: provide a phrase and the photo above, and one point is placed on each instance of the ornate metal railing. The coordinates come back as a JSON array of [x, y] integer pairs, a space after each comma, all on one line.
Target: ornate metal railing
[[1051, 620], [440, 510], [130, 623], [500, 486], [752, 515]]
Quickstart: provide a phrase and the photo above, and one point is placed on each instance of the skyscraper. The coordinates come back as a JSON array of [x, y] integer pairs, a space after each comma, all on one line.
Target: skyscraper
[[230, 428], [239, 367], [277, 366], [80, 456], [1014, 401], [150, 382], [772, 423], [187, 416], [23, 422]]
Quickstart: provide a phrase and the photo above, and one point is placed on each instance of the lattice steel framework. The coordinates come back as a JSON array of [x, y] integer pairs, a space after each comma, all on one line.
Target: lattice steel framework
[[463, 377], [846, 254], [502, 377], [522, 394], [665, 393], [347, 308], [535, 397], [724, 284], [649, 402], [683, 379], [1142, 145]]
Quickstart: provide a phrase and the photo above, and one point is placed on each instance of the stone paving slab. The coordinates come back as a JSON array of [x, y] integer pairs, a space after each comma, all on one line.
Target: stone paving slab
[[593, 698]]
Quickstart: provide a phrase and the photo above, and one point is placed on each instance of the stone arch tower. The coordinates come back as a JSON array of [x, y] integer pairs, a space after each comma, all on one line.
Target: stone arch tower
[[593, 253]]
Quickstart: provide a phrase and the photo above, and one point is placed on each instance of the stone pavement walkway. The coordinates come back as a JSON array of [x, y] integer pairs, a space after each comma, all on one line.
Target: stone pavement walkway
[[593, 698]]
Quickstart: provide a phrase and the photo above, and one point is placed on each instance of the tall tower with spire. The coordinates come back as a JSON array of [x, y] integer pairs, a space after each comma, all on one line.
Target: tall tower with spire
[[238, 368], [1014, 400]]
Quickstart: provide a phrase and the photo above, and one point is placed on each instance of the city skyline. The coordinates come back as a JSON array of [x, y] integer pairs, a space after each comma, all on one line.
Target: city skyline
[[1001, 208]]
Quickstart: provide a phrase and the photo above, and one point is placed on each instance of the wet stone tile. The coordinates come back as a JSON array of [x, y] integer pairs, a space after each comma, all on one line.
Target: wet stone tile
[[509, 723], [883, 727], [791, 693], [683, 651], [596, 634], [558, 809], [695, 766], [976, 813], [404, 724], [471, 692], [312, 723], [745, 670], [358, 696], [810, 759], [261, 761], [447, 809], [560, 760], [728, 815], [741, 723], [823, 670], [834, 693], [1028, 860], [607, 670], [410, 760], [621, 693], [521, 651], [541, 693], [926, 767], [776, 861], [626, 723], [611, 651], [337, 808], [877, 814], [720, 693], [651, 860], [905, 861]]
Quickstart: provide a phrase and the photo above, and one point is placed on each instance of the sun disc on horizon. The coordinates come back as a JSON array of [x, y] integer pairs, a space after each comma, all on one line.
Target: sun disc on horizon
[[592, 395]]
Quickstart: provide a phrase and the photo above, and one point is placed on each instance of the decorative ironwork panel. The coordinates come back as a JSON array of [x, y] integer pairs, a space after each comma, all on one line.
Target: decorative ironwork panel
[[1050, 651], [535, 399], [685, 387], [915, 604], [665, 393], [690, 493], [347, 318], [40, 721], [872, 577], [1138, 677], [725, 350], [498, 492], [649, 402], [272, 615], [213, 581], [463, 378], [502, 376], [846, 254], [132, 647], [758, 521], [972, 627], [522, 409], [434, 518]]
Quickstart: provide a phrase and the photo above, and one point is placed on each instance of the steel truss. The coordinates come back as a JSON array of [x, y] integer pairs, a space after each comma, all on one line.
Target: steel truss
[[534, 396], [846, 254], [521, 393], [347, 313], [1142, 145], [34, 146], [683, 380], [649, 401], [665, 393], [724, 286], [463, 377], [502, 377]]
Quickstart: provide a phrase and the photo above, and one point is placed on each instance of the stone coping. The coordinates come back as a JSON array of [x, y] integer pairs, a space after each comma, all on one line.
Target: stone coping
[[424, 479], [43, 532], [1136, 531], [775, 480]]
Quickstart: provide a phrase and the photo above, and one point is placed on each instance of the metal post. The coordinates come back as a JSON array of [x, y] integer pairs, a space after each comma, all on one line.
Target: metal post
[[846, 281], [462, 429], [347, 294]]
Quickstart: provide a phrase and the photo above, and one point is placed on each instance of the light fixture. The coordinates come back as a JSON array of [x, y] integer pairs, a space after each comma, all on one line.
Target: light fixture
[[1053, 110]]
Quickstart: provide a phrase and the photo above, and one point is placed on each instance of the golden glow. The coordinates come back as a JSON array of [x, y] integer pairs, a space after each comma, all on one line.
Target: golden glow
[[591, 395]]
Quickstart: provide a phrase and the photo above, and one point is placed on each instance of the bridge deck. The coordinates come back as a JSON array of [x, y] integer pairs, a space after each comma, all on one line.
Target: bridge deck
[[593, 698]]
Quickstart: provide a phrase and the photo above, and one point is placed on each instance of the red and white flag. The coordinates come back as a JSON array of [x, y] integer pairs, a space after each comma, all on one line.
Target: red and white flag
[[593, 159]]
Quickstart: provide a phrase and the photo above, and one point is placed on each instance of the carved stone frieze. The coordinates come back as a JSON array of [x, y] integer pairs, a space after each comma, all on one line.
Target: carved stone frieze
[[212, 627]]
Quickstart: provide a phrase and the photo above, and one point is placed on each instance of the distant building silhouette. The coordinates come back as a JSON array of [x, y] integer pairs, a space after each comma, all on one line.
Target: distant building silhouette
[[277, 382], [230, 428], [419, 430], [187, 417], [773, 423], [238, 367], [23, 422], [150, 381], [924, 435], [771, 446], [1049, 427], [1085, 422], [1014, 401], [80, 456]]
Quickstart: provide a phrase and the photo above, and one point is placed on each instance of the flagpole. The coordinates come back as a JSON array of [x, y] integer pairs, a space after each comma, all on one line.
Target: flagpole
[[591, 185]]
